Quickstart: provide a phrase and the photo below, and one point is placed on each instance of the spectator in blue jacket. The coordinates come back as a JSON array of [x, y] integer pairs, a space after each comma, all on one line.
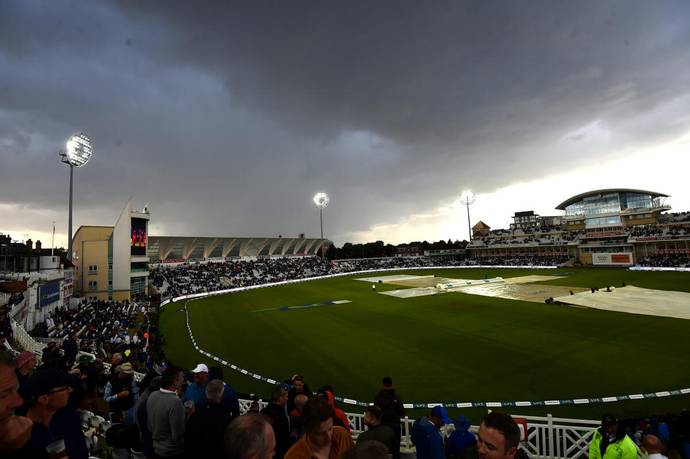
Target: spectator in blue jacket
[[426, 435], [461, 442], [196, 391]]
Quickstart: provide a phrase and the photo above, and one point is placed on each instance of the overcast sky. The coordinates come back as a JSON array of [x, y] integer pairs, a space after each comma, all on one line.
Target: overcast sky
[[227, 117]]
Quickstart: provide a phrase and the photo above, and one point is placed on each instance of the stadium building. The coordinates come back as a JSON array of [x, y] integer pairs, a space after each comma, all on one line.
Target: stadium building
[[110, 262], [610, 227]]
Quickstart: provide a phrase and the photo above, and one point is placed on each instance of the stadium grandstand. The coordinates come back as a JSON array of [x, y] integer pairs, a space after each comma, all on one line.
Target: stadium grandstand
[[169, 249], [609, 227]]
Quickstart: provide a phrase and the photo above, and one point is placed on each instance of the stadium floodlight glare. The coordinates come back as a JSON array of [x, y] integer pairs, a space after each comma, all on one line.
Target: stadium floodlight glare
[[321, 200], [78, 152], [467, 198]]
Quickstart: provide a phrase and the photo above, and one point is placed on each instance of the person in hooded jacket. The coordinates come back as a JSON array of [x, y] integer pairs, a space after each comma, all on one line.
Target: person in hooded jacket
[[340, 418], [426, 435], [462, 443]]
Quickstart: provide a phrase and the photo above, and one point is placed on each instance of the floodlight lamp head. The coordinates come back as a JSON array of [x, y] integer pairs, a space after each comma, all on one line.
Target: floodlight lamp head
[[467, 197], [321, 200], [79, 150]]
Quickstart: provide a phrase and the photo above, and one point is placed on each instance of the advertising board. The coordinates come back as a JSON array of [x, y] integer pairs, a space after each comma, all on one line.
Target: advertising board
[[617, 259], [48, 293]]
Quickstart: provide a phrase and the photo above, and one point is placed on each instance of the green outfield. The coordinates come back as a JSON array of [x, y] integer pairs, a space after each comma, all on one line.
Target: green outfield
[[446, 348]]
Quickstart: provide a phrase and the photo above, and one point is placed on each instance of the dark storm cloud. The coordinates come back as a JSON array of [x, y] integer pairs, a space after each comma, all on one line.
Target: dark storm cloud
[[227, 116]]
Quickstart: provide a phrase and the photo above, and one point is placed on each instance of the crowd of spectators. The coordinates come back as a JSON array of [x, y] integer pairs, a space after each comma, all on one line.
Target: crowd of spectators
[[184, 279], [211, 276], [101, 328], [526, 236], [666, 261], [363, 264], [669, 232], [46, 411], [524, 260], [675, 217]]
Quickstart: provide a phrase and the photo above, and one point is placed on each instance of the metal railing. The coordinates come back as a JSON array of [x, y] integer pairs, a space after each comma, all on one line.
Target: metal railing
[[26, 341], [547, 437]]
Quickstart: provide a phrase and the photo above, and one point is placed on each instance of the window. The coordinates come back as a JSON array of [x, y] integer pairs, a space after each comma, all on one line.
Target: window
[[93, 269], [93, 285], [603, 221]]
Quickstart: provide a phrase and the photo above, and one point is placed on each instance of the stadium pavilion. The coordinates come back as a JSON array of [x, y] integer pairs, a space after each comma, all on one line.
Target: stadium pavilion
[[616, 226]]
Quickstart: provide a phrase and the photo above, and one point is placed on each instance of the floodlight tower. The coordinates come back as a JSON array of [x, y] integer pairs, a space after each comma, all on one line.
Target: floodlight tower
[[321, 200], [78, 151], [467, 198]]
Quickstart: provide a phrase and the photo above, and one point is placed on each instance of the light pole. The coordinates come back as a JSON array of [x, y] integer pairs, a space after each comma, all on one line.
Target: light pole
[[467, 199], [321, 200], [78, 151]]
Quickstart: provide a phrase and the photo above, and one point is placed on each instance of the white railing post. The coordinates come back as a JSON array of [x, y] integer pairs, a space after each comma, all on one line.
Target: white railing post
[[550, 446], [406, 432]]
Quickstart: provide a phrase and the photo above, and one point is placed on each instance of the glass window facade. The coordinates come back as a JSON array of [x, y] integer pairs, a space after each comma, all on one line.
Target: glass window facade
[[636, 201], [612, 220], [595, 205], [603, 210]]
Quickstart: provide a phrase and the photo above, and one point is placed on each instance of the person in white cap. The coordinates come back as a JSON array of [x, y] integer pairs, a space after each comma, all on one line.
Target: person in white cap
[[196, 391]]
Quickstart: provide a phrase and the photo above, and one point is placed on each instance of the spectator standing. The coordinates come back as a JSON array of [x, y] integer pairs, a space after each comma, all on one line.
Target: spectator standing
[[249, 437], [230, 399], [116, 360], [166, 415], [426, 435], [206, 426], [142, 416], [498, 437], [340, 418], [276, 412], [299, 387], [51, 356], [375, 430], [321, 439], [611, 437], [71, 348], [196, 391], [296, 421], [15, 431], [392, 410], [47, 393], [461, 443], [122, 392], [652, 445]]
